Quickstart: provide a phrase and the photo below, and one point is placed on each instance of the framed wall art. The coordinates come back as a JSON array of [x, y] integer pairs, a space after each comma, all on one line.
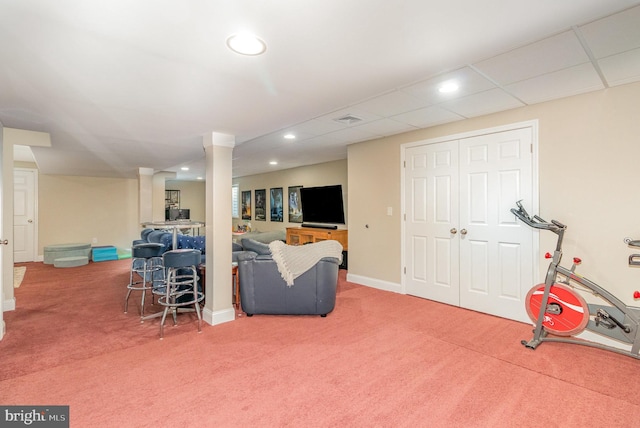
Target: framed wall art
[[295, 209], [276, 205], [260, 212], [171, 199], [246, 205]]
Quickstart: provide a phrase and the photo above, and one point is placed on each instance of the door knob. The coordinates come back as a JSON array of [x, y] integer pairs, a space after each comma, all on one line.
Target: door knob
[[453, 231], [463, 232], [29, 221]]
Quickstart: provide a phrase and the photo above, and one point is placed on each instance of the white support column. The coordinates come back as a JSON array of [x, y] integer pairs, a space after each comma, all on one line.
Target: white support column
[[218, 304], [145, 195], [159, 180]]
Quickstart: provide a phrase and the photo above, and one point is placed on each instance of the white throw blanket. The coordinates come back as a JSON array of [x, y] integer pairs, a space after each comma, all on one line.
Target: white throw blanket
[[294, 260]]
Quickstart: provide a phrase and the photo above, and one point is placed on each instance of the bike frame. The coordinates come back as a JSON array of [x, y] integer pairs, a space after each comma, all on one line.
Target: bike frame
[[625, 319]]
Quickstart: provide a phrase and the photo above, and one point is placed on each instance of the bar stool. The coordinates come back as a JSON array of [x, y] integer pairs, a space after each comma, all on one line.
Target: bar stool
[[146, 262], [181, 285]]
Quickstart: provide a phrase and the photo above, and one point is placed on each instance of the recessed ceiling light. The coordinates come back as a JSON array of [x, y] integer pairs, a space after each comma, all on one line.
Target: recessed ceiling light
[[289, 137], [185, 168], [273, 163], [448, 87], [199, 178], [246, 44]]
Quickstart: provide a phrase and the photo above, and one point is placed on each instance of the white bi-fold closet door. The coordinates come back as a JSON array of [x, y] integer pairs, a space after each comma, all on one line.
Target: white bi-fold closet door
[[462, 245]]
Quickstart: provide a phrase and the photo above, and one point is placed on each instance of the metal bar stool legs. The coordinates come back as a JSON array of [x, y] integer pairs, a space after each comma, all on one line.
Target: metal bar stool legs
[[181, 293], [147, 272]]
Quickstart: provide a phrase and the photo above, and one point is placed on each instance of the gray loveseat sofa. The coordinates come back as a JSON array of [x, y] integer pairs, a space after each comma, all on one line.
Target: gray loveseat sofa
[[263, 291]]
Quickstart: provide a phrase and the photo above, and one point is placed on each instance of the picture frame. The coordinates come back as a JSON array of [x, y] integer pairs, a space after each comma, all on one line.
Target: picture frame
[[294, 206], [246, 204], [260, 211], [276, 204], [171, 199]]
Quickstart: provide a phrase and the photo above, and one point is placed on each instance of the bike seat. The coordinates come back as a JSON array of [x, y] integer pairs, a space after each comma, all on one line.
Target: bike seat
[[634, 244]]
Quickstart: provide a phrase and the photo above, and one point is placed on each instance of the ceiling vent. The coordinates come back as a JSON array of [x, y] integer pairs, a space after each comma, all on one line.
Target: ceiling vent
[[348, 119]]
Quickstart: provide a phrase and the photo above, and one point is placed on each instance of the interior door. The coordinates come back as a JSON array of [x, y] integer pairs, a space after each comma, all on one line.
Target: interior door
[[2, 296], [431, 244], [496, 268], [462, 245], [24, 215]]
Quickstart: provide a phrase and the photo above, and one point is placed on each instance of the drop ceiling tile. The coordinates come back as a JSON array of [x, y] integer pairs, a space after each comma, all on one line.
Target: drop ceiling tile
[[317, 126], [614, 34], [352, 135], [469, 80], [426, 117], [490, 101], [322, 141], [265, 142], [571, 81], [385, 127], [391, 104], [622, 68], [551, 54]]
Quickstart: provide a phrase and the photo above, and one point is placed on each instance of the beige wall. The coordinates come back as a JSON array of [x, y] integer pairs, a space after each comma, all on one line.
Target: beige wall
[[78, 209], [192, 196], [589, 148], [323, 174]]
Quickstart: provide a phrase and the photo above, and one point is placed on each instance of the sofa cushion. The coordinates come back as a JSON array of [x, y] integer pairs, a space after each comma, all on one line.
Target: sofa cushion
[[256, 247], [161, 237], [192, 242], [265, 237], [145, 233]]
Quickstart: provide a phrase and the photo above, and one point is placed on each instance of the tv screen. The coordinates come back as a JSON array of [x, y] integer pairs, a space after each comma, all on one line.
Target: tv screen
[[322, 204], [177, 214]]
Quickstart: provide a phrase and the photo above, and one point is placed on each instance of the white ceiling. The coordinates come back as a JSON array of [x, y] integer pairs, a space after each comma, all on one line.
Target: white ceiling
[[126, 84]]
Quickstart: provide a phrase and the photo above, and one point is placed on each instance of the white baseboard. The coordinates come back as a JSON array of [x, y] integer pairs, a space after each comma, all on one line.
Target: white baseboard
[[374, 283], [218, 317], [9, 305]]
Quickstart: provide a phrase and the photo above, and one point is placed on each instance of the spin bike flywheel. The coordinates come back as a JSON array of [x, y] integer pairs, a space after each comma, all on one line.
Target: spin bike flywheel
[[567, 312]]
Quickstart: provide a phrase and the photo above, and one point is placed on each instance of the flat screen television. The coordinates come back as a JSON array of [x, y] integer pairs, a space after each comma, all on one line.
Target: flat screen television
[[322, 204], [177, 214]]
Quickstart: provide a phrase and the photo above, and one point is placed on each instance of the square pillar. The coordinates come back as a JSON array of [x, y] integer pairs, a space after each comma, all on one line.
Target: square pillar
[[218, 302]]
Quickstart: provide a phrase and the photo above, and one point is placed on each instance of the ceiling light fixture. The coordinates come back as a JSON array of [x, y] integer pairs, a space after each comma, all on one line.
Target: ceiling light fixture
[[185, 168], [246, 44], [289, 137], [273, 163], [448, 87]]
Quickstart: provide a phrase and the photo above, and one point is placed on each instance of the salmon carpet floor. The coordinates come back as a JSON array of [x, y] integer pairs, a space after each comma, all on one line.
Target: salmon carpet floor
[[380, 359]]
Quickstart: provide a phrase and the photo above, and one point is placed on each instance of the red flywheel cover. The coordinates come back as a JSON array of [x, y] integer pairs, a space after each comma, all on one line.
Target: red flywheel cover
[[567, 312]]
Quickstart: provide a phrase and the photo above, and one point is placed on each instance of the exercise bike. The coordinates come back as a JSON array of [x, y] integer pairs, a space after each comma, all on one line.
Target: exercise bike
[[556, 307]]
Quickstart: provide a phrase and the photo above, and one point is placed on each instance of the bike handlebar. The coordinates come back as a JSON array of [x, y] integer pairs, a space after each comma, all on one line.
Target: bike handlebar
[[536, 221]]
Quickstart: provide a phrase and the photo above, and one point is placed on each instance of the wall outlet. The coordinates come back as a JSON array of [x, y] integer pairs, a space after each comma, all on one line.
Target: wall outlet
[[94, 240], [389, 210]]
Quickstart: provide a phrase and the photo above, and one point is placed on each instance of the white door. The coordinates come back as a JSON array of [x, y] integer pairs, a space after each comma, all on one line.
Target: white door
[[462, 244], [496, 252], [24, 215], [2, 325], [431, 244]]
